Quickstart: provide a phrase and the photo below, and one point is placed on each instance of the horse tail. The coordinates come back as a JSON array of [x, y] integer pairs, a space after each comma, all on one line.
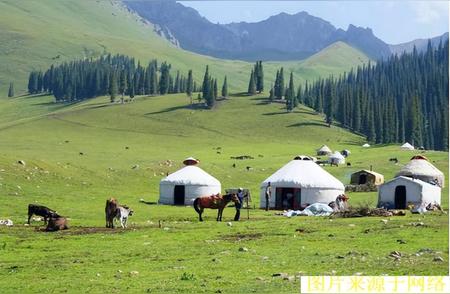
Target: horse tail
[[196, 205]]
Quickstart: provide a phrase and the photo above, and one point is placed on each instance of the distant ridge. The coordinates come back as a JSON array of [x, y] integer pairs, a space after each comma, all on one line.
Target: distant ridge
[[280, 37], [421, 44]]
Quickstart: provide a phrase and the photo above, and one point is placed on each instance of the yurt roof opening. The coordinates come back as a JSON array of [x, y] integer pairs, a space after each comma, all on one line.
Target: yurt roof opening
[[186, 184], [300, 182]]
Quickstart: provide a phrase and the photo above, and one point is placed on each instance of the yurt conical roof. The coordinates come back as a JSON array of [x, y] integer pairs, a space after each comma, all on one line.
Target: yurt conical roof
[[407, 146], [190, 175], [421, 168], [324, 148], [337, 155], [304, 174]]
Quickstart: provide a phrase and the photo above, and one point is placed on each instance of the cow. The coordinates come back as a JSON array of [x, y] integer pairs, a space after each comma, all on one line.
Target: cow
[[56, 224], [123, 212], [111, 212], [43, 211]]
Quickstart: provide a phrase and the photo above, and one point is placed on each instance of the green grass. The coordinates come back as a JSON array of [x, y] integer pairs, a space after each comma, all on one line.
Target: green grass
[[188, 256], [35, 33], [181, 255]]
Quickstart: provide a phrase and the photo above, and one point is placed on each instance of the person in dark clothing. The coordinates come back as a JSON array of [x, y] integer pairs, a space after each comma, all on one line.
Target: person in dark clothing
[[238, 206]]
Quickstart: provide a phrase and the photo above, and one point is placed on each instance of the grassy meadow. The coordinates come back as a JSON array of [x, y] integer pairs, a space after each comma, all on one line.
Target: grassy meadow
[[168, 248]]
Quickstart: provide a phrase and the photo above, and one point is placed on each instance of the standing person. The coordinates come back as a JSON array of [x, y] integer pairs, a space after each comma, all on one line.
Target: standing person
[[241, 196], [268, 195]]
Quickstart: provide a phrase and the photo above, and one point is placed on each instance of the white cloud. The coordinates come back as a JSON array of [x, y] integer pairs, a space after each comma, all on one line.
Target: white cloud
[[430, 11]]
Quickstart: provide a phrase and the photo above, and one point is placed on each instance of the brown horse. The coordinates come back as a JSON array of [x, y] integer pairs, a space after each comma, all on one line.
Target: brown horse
[[214, 202]]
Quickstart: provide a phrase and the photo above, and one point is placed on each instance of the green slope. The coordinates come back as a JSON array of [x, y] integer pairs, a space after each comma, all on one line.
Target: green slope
[[157, 129], [36, 34]]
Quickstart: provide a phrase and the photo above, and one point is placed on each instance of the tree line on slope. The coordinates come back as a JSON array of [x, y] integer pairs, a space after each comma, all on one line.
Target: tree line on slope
[[403, 98], [114, 76]]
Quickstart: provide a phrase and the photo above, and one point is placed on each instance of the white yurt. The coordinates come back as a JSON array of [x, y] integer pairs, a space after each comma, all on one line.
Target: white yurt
[[407, 146], [324, 150], [336, 158], [366, 145], [420, 168], [186, 184], [402, 191], [298, 183]]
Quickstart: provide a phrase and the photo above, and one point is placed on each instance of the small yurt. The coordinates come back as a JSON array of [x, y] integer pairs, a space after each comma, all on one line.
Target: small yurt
[[364, 177], [186, 184], [324, 150], [298, 183], [336, 158], [366, 145], [420, 168], [402, 191], [407, 146]]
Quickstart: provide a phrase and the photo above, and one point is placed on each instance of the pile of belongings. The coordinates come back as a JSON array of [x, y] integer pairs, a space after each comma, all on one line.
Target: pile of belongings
[[422, 208], [367, 211], [316, 209], [6, 222]]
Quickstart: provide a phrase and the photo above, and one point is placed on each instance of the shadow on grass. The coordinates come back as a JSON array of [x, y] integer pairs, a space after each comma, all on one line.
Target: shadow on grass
[[293, 112], [307, 124], [175, 108]]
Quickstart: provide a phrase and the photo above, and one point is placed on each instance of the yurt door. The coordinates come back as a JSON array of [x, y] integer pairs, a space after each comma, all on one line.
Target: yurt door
[[400, 197], [362, 179], [178, 195]]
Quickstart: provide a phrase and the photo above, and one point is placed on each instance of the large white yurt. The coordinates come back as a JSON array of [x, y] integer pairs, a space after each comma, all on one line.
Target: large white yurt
[[186, 184], [298, 183], [420, 168], [402, 191]]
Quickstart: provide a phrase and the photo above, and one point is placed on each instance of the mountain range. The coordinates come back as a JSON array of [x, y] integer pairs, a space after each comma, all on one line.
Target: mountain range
[[280, 37]]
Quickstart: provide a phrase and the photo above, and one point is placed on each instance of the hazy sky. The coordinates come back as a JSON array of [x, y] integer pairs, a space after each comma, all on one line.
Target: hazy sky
[[392, 21]]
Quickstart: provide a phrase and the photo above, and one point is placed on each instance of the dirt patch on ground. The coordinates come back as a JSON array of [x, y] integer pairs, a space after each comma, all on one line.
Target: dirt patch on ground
[[92, 230], [242, 237]]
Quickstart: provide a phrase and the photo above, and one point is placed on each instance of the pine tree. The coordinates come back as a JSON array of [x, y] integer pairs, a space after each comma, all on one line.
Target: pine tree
[[11, 90], [259, 76], [271, 94], [252, 84], [225, 88], [290, 94], [215, 90], [113, 86], [190, 85], [122, 84], [280, 87], [206, 83], [329, 105]]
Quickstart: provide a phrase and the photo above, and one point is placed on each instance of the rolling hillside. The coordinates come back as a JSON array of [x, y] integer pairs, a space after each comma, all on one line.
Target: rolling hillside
[[36, 34], [77, 156]]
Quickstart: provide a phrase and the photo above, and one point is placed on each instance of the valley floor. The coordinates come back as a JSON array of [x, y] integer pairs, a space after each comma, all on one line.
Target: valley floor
[[76, 157]]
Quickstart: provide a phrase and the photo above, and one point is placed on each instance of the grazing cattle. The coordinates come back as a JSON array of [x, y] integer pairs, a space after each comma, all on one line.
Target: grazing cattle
[[56, 224], [123, 212], [349, 164], [249, 168], [395, 160], [40, 210], [111, 212], [234, 165]]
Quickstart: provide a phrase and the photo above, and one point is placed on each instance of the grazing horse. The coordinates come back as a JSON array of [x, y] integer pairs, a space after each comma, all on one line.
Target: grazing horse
[[214, 202]]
